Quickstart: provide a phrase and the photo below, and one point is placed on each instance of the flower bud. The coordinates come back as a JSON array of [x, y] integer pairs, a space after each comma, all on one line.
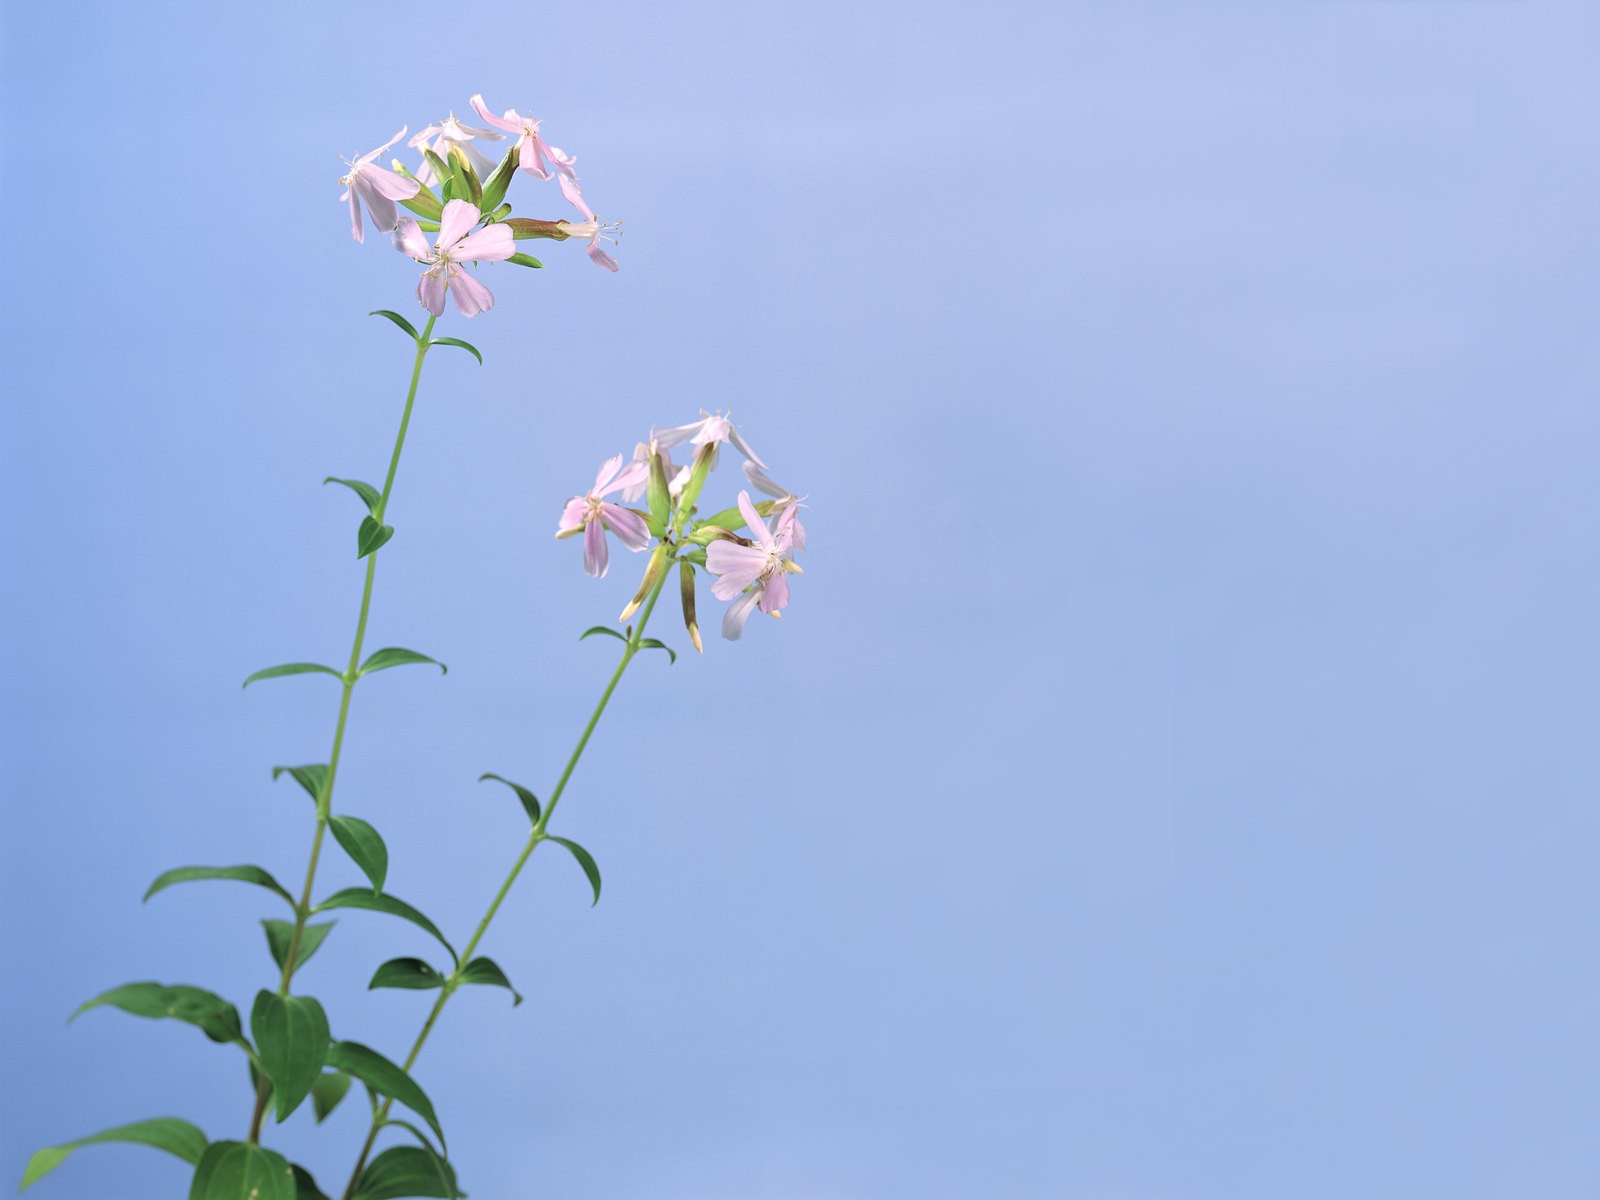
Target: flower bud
[[656, 490], [494, 187], [686, 592], [704, 535], [652, 576], [701, 468], [468, 186]]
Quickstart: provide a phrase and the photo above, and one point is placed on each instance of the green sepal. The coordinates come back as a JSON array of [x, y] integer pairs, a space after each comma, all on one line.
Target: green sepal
[[487, 971], [209, 1012], [385, 1078], [605, 629], [291, 1034], [468, 186], [281, 933], [395, 656], [294, 668], [370, 495], [696, 554], [171, 1134], [530, 802], [494, 187], [698, 470], [305, 1186], [523, 228], [586, 861], [311, 776], [406, 1171], [398, 320], [524, 260], [424, 203], [364, 846], [467, 346], [656, 493], [371, 535], [656, 525], [501, 213], [242, 1171], [327, 1093], [657, 644], [442, 173], [243, 874], [410, 973], [366, 898]]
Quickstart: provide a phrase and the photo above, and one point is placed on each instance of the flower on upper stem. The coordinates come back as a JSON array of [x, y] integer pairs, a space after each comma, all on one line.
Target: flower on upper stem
[[711, 429], [590, 227], [592, 515], [532, 149], [676, 476], [454, 246], [758, 564], [791, 510], [452, 130], [379, 187]]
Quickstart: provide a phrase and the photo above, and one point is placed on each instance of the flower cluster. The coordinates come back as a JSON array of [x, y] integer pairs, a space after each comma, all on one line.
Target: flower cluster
[[457, 193], [752, 570]]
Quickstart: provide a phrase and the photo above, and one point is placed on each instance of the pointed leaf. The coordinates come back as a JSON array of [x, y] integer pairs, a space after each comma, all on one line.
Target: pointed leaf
[[365, 898], [487, 971], [385, 1078], [398, 320], [291, 1034], [300, 668], [305, 1187], [406, 1171], [467, 346], [525, 260], [243, 874], [215, 1017], [394, 656], [362, 843], [655, 644], [424, 203], [242, 1171], [327, 1092], [371, 535], [605, 629], [494, 187], [164, 1133], [311, 776], [406, 973], [586, 861], [370, 496], [530, 802], [280, 933]]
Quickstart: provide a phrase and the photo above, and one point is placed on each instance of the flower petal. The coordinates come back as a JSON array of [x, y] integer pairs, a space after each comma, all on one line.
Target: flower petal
[[493, 243], [599, 257], [472, 297], [762, 483], [758, 527], [629, 527], [744, 449], [776, 593], [605, 474], [528, 157], [409, 239], [482, 109], [355, 215], [430, 291], [635, 474], [569, 189], [572, 515], [456, 222], [596, 558], [738, 613], [737, 567]]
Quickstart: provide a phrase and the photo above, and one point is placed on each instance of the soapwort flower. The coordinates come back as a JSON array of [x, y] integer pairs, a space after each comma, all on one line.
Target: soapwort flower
[[592, 515], [590, 227], [454, 246], [753, 572], [532, 149], [379, 187], [451, 130], [712, 429]]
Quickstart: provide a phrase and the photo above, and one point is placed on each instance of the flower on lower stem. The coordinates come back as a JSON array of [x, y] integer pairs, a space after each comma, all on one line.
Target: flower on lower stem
[[532, 149], [592, 515], [455, 245], [753, 572], [379, 187]]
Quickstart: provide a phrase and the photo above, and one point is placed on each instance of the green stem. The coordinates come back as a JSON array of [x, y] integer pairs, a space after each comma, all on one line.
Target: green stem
[[536, 836], [302, 912]]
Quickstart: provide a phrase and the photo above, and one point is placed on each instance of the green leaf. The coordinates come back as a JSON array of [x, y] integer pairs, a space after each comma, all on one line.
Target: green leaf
[[586, 861], [215, 1017], [406, 973], [467, 346], [406, 1171], [242, 1171], [605, 629], [164, 1133], [292, 1039], [280, 933], [655, 644], [370, 496], [694, 554], [398, 320], [394, 656], [424, 203], [487, 971], [494, 187], [385, 1078], [530, 802], [311, 776], [293, 669], [305, 1187], [327, 1092], [243, 874], [730, 519], [362, 843], [467, 183], [359, 897], [525, 260], [371, 535]]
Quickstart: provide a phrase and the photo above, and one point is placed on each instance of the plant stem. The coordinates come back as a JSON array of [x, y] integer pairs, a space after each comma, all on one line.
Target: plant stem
[[535, 836], [302, 911]]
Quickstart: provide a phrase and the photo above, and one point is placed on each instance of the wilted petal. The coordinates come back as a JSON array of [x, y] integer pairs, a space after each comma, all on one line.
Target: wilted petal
[[572, 515], [564, 162], [528, 157], [737, 567], [493, 243], [762, 483], [676, 436], [384, 214], [776, 593], [629, 527], [355, 214], [738, 613], [472, 297], [409, 239], [508, 123], [596, 558], [569, 189], [456, 221], [599, 257], [733, 436], [430, 291], [789, 531]]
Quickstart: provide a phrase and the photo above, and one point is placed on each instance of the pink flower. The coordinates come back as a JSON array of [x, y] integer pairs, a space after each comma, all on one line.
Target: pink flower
[[762, 568], [590, 227], [379, 187], [710, 428], [791, 512], [452, 130], [532, 150], [455, 245], [592, 516], [676, 476]]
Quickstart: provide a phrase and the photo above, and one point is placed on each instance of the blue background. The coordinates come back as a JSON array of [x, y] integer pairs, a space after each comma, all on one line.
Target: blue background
[[1175, 776]]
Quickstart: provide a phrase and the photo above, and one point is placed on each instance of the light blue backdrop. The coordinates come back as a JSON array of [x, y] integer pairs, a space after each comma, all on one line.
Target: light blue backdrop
[[1175, 777]]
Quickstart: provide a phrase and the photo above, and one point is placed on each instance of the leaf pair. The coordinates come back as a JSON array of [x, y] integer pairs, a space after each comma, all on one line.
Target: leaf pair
[[417, 975]]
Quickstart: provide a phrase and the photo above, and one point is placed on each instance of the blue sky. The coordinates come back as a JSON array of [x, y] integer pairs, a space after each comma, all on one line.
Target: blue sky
[[1174, 777]]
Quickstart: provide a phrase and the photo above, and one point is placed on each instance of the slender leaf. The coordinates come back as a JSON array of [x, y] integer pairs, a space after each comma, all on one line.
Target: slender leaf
[[406, 973], [300, 668], [385, 1078], [311, 776], [365, 898], [530, 802], [243, 874], [586, 861], [394, 656], [467, 346], [605, 629], [398, 320], [164, 1133], [371, 535], [242, 1171], [281, 933], [362, 843], [370, 496], [406, 1171], [292, 1039], [305, 1187], [656, 644], [424, 203], [214, 1016], [525, 260], [327, 1092], [487, 971]]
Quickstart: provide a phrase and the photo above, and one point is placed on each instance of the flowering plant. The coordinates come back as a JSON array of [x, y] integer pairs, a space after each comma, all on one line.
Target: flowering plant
[[457, 195]]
